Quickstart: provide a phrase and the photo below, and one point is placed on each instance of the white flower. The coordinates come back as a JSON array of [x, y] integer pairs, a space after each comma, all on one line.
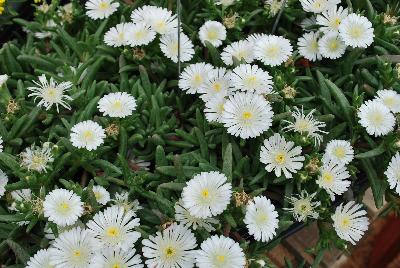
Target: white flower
[[51, 236], [183, 216], [356, 31], [308, 23], [171, 248], [122, 200], [100, 9], [261, 219], [117, 36], [1, 144], [213, 32], [37, 158], [251, 78], [194, 76], [390, 98], [140, 34], [331, 46], [255, 37], [318, 6], [339, 151], [220, 252], [393, 173], [306, 124], [87, 134], [214, 109], [350, 221], [247, 115], [169, 46], [101, 194], [241, 50], [50, 93], [273, 50], [331, 18], [62, 207], [332, 178], [40, 260], [308, 46], [281, 156], [73, 249], [118, 104], [159, 19], [225, 3], [117, 258], [207, 194], [114, 228], [3, 79], [218, 84], [303, 206], [376, 118], [274, 6]]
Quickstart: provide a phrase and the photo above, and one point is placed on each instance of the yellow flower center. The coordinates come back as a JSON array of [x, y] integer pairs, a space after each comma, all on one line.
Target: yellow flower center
[[261, 218], [247, 115], [220, 258], [63, 207], [116, 265], [339, 152], [117, 105], [346, 222], [76, 253], [327, 177], [314, 45], [88, 134], [170, 251], [97, 195], [376, 118], [160, 25], [121, 36], [217, 87], [139, 34], [198, 79], [205, 193], [221, 107], [356, 32], [272, 51], [302, 125], [37, 161], [334, 45], [389, 101], [51, 92], [280, 158], [112, 231], [212, 35], [336, 22], [103, 5]]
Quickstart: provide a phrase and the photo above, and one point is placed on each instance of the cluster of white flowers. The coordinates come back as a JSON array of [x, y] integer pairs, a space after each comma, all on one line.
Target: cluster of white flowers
[[147, 22], [337, 30]]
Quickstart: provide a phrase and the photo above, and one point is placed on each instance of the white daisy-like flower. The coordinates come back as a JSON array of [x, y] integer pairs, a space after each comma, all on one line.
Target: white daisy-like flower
[[390, 98], [331, 19], [273, 50], [122, 200], [308, 23], [140, 14], [333, 179], [318, 6], [171, 248], [281, 156], [241, 50], [101, 194], [87, 134], [220, 252], [393, 173], [274, 6], [218, 84], [3, 182], [50, 93], [100, 9], [51, 236], [117, 258], [1, 144], [306, 124], [356, 31], [114, 227], [37, 158], [169, 46], [140, 34], [303, 206], [3, 79], [41, 259], [213, 32], [183, 216], [251, 78], [331, 46], [247, 115], [162, 20], [194, 76], [118, 104], [255, 37], [350, 222], [339, 151], [308, 46], [73, 249], [214, 109], [207, 194], [376, 118], [63, 207], [261, 219], [117, 36], [225, 3]]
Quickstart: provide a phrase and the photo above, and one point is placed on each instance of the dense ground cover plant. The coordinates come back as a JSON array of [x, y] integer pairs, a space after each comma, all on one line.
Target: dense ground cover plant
[[117, 152]]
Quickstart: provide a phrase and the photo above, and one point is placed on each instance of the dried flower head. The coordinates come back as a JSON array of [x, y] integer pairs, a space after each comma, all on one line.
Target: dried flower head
[[241, 198], [12, 106], [289, 92]]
